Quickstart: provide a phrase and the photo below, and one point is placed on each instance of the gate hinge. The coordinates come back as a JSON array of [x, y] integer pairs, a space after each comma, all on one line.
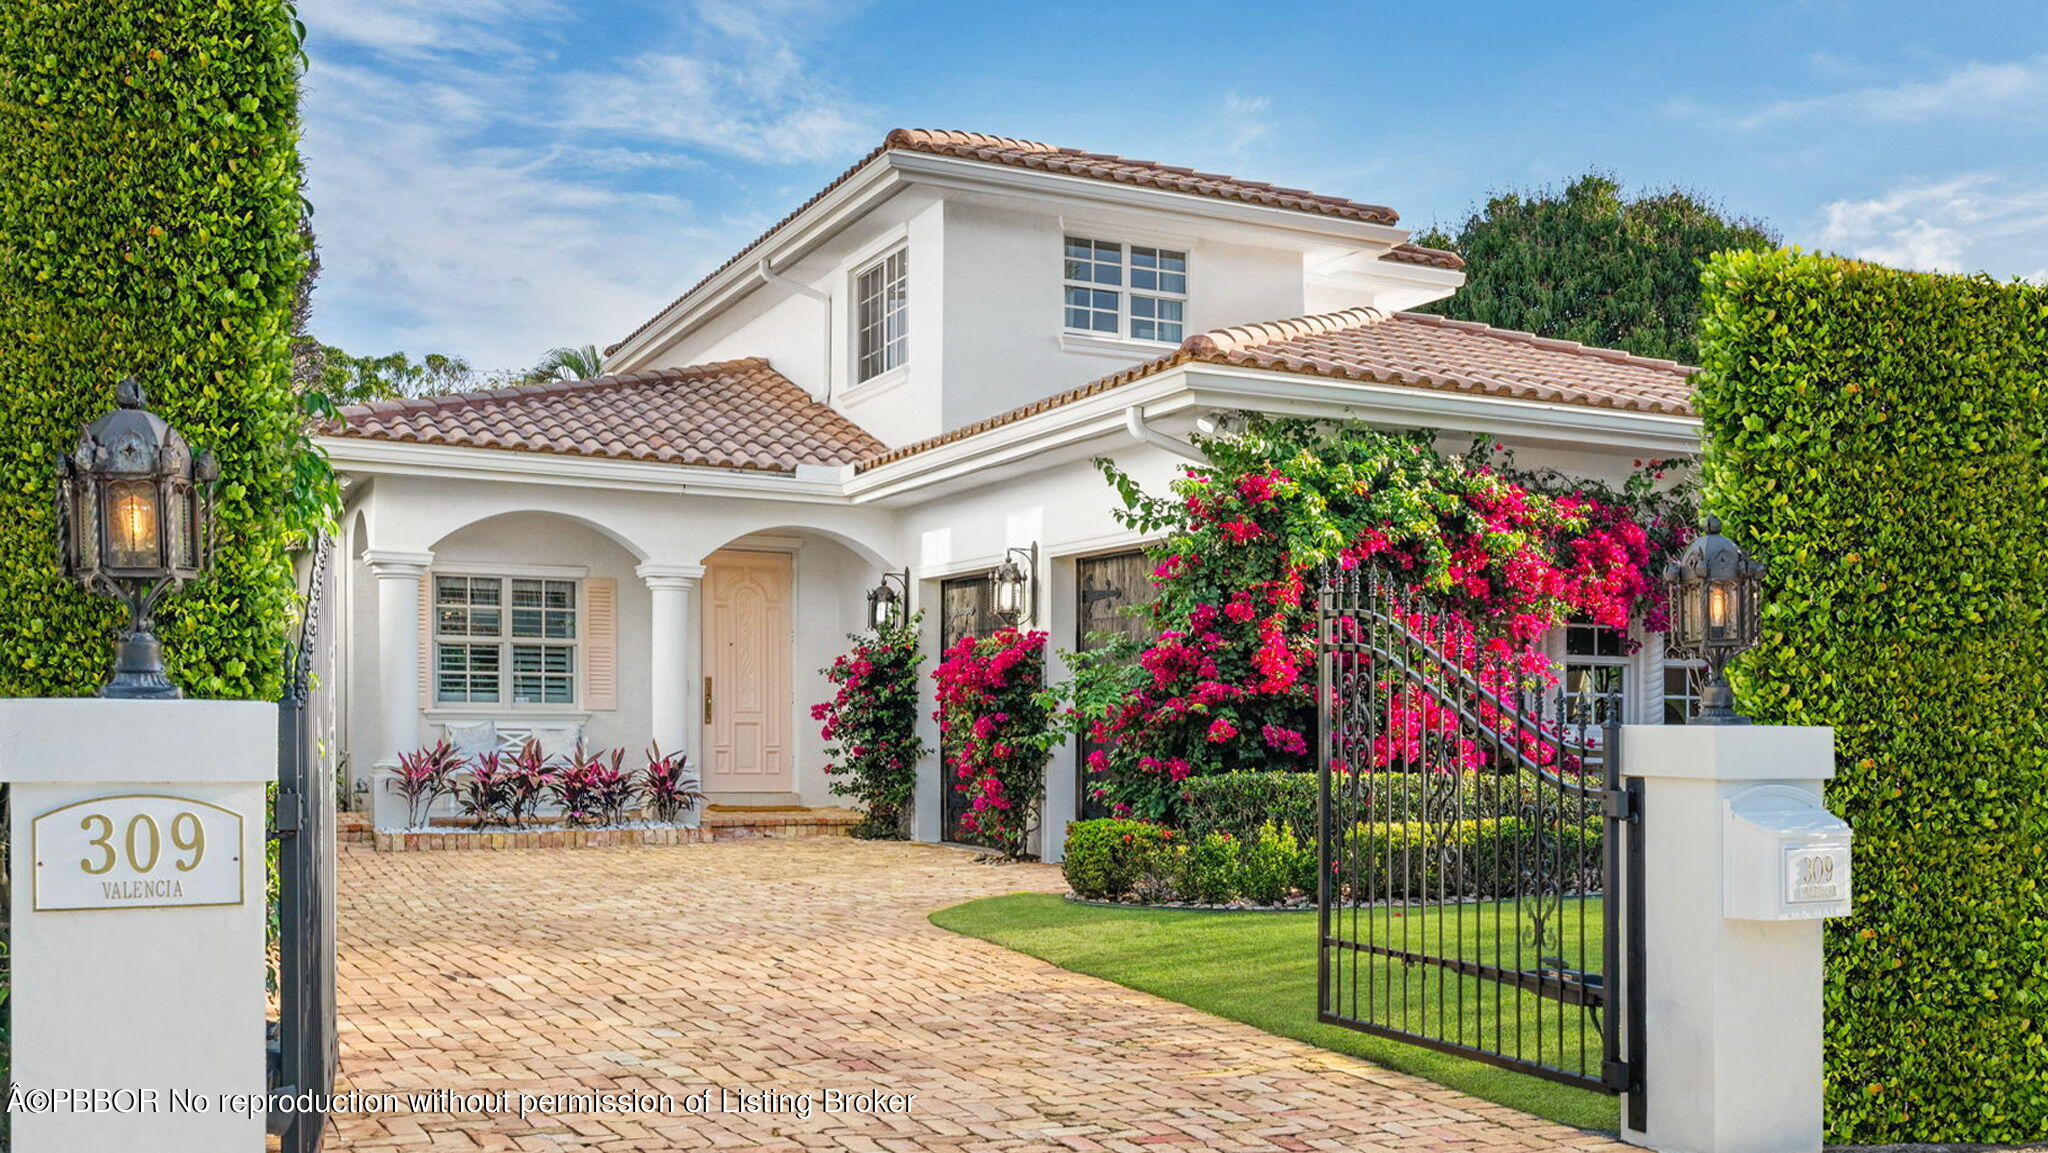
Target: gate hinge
[[1617, 1075], [1618, 805], [289, 815]]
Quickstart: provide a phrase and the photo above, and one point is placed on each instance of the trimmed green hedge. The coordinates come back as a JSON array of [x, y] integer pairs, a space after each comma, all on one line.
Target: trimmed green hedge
[[1878, 436], [1242, 803], [149, 224]]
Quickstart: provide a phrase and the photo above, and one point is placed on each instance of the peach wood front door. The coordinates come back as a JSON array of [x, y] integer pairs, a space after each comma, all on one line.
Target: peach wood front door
[[747, 674]]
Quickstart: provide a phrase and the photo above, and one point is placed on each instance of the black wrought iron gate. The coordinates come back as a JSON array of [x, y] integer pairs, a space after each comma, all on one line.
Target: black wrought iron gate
[[305, 1055], [1475, 835]]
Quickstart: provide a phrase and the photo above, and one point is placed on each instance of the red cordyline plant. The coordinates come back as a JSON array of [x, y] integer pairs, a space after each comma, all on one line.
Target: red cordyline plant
[[485, 793], [529, 779], [423, 777], [1228, 682], [996, 731], [871, 724], [596, 790], [669, 786]]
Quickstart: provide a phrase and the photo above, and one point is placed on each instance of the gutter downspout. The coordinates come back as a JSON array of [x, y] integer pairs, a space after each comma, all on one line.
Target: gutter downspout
[[1134, 423], [770, 276]]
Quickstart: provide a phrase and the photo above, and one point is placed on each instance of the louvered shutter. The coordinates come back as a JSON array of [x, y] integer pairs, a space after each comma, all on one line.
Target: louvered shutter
[[426, 641], [600, 646]]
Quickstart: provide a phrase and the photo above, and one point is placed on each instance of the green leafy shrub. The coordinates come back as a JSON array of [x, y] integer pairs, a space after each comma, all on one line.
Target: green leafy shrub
[[149, 224], [1274, 865], [1242, 803], [1209, 872], [1106, 858], [1464, 860], [1878, 437]]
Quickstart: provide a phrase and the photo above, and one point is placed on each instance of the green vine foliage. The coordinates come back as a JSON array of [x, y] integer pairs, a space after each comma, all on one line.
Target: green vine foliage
[[149, 224], [1881, 439]]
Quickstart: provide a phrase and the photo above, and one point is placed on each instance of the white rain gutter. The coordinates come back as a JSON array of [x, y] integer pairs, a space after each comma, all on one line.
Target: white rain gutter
[[1134, 423], [770, 276]]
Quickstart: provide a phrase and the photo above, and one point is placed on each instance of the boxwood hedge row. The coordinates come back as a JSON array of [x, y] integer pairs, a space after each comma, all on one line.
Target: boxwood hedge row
[[1878, 436], [149, 224]]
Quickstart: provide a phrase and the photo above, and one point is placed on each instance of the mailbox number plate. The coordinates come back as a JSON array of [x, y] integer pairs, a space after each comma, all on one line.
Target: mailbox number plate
[[1816, 873], [137, 852]]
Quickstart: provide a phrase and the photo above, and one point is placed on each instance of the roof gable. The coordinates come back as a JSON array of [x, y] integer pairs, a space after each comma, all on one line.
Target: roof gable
[[730, 414], [1033, 154]]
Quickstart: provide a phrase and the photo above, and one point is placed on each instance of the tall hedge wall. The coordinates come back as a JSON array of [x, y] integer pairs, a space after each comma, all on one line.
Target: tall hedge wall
[[149, 213], [1879, 436]]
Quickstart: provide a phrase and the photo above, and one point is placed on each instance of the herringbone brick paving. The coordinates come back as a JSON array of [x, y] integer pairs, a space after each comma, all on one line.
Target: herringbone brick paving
[[799, 966]]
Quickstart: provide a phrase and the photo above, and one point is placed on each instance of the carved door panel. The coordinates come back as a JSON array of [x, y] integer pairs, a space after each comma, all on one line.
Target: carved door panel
[[747, 682]]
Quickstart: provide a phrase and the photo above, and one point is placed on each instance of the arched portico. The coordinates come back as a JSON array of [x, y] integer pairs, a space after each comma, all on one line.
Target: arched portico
[[634, 563]]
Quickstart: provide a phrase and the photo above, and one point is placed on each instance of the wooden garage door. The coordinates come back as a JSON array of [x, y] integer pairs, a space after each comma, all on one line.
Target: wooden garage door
[[1108, 586], [964, 605]]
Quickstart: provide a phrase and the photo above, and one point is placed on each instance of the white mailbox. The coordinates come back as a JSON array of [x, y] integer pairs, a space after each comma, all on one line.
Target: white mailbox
[[1784, 857]]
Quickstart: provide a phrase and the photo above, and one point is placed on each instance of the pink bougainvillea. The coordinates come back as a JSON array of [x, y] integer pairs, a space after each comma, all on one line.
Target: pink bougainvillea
[[1228, 683], [996, 731]]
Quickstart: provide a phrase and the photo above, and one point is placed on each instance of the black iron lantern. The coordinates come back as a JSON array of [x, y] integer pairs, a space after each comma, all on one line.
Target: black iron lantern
[[136, 512], [1714, 614], [1013, 587], [888, 602]]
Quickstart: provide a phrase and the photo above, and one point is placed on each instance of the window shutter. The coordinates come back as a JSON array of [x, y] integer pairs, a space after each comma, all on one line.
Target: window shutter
[[600, 647], [426, 671]]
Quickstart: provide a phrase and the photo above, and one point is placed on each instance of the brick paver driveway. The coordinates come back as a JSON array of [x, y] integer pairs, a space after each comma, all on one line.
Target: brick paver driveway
[[800, 966]]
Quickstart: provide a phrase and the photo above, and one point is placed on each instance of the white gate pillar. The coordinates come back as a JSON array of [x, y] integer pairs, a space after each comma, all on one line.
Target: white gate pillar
[[1741, 862], [137, 835]]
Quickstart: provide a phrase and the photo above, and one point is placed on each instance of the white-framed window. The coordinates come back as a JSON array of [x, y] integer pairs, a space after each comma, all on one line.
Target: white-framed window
[[1682, 689], [1136, 291], [1596, 667], [505, 640], [881, 315]]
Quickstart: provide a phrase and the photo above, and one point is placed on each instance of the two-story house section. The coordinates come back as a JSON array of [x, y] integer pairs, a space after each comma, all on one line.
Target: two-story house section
[[913, 370]]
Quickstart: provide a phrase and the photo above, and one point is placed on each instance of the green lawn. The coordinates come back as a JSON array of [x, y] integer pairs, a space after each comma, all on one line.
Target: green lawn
[[1260, 968]]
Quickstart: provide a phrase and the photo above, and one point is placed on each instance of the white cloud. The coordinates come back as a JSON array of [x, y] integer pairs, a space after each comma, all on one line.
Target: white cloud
[[475, 197], [1972, 90], [1244, 121], [1959, 224]]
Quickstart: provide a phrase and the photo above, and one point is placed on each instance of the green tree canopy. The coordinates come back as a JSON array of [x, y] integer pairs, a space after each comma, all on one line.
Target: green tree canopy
[[1588, 264]]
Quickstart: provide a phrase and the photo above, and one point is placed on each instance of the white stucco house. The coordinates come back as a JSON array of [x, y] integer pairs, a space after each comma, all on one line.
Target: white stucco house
[[912, 370]]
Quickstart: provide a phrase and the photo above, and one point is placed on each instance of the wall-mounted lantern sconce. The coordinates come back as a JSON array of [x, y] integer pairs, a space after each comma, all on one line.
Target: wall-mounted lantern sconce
[[1013, 587], [1714, 613], [136, 517], [889, 603]]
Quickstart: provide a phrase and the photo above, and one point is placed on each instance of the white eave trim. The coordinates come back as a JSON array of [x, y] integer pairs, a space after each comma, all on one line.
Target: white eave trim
[[360, 456], [1296, 394]]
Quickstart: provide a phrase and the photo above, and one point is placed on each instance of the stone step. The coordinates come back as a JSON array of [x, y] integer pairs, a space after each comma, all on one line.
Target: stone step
[[719, 823]]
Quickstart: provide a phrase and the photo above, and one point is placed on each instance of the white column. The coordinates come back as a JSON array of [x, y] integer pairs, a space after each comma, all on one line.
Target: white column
[[1732, 829], [138, 898], [398, 648], [675, 706]]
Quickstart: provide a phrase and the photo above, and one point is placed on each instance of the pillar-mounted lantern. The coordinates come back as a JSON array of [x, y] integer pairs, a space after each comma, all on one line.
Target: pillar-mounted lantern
[[136, 514], [1013, 587], [889, 600], [1714, 614]]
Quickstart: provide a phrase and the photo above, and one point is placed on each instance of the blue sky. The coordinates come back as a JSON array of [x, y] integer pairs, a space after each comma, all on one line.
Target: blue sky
[[494, 177]]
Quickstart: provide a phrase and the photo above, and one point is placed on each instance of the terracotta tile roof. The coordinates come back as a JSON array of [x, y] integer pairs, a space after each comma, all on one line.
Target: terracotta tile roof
[[1405, 253], [732, 414], [1407, 348], [1069, 162]]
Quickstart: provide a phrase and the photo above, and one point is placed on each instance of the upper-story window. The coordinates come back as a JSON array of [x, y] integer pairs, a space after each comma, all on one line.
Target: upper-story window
[[1127, 290], [882, 314], [504, 639]]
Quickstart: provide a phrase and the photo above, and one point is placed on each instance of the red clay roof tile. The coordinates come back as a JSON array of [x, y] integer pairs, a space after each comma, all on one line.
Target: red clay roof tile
[[731, 414], [1407, 348]]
